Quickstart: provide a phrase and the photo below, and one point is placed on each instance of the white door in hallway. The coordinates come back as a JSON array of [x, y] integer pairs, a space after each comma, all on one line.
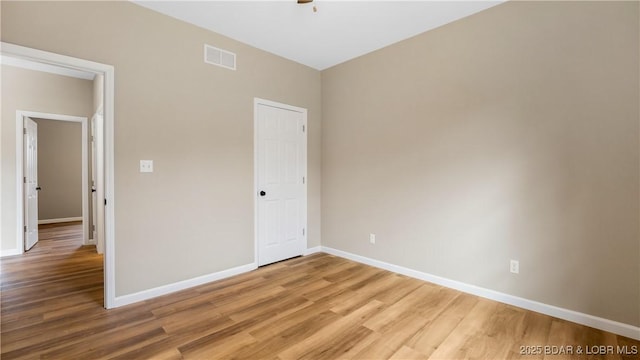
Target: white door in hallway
[[281, 186], [94, 198], [97, 179], [30, 183]]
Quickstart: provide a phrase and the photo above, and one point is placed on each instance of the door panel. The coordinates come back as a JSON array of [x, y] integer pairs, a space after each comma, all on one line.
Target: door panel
[[291, 220], [98, 165], [94, 197], [30, 183], [271, 212], [281, 165]]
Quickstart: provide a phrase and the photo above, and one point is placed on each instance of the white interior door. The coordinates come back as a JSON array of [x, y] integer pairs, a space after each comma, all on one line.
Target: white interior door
[[94, 198], [97, 174], [30, 183], [281, 182]]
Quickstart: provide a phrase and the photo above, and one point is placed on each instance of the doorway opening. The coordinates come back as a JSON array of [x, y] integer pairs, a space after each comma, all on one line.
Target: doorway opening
[[105, 188], [59, 174]]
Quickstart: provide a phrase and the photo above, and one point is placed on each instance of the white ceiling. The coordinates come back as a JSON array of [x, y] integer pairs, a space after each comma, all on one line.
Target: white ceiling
[[337, 32]]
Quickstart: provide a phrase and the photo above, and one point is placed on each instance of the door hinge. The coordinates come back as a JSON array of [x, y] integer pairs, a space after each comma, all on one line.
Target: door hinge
[[93, 228], [303, 128], [25, 180], [303, 179], [105, 202], [24, 131], [25, 228], [303, 231]]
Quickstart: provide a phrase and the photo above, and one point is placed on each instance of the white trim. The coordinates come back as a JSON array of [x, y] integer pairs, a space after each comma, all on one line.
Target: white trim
[[60, 220], [303, 111], [275, 104], [7, 49], [181, 285], [109, 190], [20, 116], [313, 250], [39, 66], [19, 242], [85, 188], [255, 180], [10, 252], [566, 314]]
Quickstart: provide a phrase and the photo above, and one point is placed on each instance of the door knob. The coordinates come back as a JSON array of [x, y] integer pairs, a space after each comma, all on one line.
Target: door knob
[[38, 188], [262, 193]]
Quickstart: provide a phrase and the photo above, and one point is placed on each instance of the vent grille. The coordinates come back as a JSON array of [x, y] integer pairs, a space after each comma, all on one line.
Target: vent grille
[[219, 57]]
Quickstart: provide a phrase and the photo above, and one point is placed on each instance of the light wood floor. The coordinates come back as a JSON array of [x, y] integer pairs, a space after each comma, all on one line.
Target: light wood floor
[[315, 307]]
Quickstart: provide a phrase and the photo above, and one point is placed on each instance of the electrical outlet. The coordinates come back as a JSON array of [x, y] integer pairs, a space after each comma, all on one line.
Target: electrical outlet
[[514, 266], [372, 238]]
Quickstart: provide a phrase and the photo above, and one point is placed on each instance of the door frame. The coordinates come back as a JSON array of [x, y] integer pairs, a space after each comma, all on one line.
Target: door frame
[[21, 115], [303, 111], [108, 192]]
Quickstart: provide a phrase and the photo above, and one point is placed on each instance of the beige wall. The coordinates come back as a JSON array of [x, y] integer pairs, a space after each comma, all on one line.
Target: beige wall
[[510, 134], [59, 169], [98, 92], [194, 215], [30, 90]]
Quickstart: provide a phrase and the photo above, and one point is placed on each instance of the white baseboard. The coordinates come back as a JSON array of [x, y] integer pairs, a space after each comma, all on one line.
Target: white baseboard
[[185, 284], [91, 242], [566, 314], [313, 250], [60, 220], [181, 285], [10, 252]]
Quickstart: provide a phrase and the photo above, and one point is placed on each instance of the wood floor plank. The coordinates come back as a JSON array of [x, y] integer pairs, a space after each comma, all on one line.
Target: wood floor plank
[[109, 343], [403, 286], [501, 331], [403, 308], [463, 342], [393, 338], [241, 309], [406, 352], [205, 316], [534, 331], [359, 350], [314, 307], [290, 330], [298, 320], [339, 345], [433, 334], [269, 308], [219, 350], [318, 343]]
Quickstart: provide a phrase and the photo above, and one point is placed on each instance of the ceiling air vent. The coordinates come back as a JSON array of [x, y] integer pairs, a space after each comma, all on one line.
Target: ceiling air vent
[[215, 56]]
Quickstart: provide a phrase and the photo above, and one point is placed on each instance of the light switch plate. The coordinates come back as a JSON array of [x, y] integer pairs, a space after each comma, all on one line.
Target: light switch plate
[[514, 266], [146, 166]]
